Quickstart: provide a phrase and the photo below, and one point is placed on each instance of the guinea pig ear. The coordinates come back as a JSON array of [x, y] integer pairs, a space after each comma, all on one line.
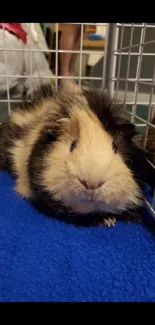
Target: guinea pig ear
[[63, 122], [128, 129]]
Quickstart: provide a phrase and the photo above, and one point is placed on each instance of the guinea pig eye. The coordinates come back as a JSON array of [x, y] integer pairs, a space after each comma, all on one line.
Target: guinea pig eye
[[51, 136], [73, 145]]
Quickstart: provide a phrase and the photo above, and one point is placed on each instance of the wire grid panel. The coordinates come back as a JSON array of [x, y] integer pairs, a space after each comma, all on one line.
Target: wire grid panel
[[131, 74], [15, 50]]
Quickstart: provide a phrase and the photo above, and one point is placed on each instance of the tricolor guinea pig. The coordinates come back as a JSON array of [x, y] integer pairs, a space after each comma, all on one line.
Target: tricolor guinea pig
[[73, 157]]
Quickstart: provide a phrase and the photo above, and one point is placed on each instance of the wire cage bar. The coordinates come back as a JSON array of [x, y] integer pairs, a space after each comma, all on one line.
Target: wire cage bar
[[133, 80], [126, 67]]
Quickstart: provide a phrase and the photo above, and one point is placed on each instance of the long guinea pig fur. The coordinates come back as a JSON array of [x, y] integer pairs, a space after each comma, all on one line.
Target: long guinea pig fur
[[73, 155]]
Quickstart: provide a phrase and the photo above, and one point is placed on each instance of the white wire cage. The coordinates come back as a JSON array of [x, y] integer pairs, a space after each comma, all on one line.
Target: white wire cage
[[125, 68]]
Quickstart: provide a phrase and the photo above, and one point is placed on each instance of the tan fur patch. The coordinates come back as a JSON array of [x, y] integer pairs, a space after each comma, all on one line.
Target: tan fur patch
[[24, 118]]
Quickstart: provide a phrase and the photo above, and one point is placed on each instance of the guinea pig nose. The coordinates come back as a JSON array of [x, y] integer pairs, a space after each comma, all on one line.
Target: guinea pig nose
[[91, 185]]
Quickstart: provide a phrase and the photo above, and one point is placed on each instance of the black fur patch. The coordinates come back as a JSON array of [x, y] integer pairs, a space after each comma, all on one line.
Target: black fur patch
[[47, 137], [109, 113], [8, 133]]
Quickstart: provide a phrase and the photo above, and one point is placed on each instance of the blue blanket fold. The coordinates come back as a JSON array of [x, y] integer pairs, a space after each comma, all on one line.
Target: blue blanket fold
[[43, 259]]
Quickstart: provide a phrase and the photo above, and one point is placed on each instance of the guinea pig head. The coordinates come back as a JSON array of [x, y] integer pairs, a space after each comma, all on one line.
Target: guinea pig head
[[84, 164]]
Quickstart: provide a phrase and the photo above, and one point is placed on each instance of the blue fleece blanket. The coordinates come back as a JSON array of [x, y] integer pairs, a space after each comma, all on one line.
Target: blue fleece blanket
[[42, 259]]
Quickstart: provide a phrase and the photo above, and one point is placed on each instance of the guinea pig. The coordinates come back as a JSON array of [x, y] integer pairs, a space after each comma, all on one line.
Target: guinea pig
[[73, 157]]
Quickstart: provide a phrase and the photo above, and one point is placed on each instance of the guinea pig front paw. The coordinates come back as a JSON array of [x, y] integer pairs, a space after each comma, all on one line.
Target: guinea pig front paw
[[109, 221], [136, 219]]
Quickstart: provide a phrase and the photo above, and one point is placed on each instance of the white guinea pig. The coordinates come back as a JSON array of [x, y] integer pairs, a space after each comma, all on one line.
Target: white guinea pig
[[72, 155]]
